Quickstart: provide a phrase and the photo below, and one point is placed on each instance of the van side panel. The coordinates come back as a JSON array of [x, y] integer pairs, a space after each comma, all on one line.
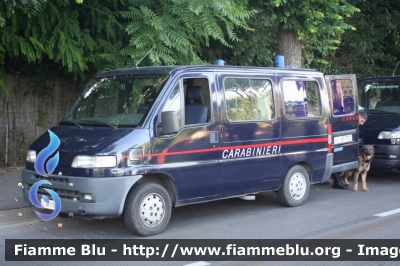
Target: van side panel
[[250, 148], [304, 124], [190, 156], [252, 138], [250, 157], [300, 147]]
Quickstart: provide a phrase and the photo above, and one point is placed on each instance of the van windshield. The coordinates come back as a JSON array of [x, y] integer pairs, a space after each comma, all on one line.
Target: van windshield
[[121, 101], [382, 96]]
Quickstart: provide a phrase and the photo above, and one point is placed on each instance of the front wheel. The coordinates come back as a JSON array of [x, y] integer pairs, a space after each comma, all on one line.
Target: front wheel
[[148, 209], [295, 189]]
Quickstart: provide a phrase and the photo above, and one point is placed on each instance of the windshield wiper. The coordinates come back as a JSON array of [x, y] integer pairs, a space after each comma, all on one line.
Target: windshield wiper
[[70, 122], [100, 122]]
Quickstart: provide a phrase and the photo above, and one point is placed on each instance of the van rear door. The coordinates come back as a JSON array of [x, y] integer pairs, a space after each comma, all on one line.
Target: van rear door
[[343, 98]]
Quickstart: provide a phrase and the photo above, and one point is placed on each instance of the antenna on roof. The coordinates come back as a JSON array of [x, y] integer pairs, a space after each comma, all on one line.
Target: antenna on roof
[[144, 57], [395, 68]]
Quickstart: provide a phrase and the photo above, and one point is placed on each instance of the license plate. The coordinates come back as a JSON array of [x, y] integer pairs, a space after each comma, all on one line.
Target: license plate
[[343, 139], [50, 205]]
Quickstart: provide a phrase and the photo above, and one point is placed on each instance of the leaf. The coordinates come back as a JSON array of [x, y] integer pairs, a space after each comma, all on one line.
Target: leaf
[[3, 86]]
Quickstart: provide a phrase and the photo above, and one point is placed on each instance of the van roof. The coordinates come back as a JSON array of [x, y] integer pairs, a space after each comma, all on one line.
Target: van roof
[[215, 68]]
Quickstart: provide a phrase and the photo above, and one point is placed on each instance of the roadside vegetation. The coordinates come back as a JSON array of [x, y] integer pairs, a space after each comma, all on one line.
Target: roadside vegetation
[[79, 38]]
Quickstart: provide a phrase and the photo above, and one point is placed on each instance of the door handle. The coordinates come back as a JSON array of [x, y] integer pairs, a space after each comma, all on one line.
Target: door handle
[[213, 136]]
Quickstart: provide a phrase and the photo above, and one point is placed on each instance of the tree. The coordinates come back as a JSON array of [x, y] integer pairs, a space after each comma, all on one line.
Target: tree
[[306, 22], [84, 37], [376, 40], [307, 33], [8, 9], [259, 46]]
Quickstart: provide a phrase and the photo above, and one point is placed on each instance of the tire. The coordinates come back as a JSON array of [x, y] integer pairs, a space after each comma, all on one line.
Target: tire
[[148, 209], [295, 189]]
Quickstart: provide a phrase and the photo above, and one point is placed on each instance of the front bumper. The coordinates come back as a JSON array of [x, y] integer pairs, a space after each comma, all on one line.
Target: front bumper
[[108, 193], [383, 159]]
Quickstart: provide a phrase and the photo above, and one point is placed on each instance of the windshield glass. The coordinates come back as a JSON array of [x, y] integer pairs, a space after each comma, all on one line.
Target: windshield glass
[[380, 96], [121, 101]]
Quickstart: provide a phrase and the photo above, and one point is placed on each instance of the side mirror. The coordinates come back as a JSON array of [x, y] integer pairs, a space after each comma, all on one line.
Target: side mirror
[[169, 122]]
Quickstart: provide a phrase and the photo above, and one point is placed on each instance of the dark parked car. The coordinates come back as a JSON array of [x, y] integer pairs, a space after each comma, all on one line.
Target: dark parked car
[[380, 97]]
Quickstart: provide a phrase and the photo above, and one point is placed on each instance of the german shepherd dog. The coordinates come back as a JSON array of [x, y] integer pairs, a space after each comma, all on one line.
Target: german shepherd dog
[[364, 161]]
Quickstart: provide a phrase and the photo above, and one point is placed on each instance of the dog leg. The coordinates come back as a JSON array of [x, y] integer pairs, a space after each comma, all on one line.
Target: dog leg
[[364, 181], [356, 174]]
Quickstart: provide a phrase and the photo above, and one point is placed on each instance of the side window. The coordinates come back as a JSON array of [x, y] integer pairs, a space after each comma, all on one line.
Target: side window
[[195, 95], [197, 101], [342, 96], [301, 99], [313, 99], [173, 103], [249, 99]]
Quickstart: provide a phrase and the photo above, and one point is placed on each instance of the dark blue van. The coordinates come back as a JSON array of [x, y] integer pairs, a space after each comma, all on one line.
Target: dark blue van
[[139, 141], [380, 97]]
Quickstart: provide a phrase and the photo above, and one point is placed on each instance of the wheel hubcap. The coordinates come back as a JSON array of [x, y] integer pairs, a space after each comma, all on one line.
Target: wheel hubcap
[[297, 186], [152, 210]]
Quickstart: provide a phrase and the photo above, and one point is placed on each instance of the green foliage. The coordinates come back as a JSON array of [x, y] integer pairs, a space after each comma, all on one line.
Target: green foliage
[[2, 79], [40, 87], [41, 122], [259, 47], [13, 134], [85, 37], [319, 24], [308, 18], [9, 7], [179, 29], [376, 41]]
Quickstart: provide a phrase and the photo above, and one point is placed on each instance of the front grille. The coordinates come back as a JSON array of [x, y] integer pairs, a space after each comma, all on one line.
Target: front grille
[[55, 179], [62, 193], [380, 156]]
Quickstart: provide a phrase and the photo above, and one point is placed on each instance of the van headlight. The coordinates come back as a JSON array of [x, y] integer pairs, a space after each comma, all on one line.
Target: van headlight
[[85, 161], [31, 156], [389, 135]]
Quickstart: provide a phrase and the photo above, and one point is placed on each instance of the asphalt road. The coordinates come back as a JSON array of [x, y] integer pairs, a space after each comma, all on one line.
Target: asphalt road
[[327, 214]]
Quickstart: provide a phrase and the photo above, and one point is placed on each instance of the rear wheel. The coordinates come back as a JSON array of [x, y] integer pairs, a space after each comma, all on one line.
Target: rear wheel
[[148, 209], [295, 189]]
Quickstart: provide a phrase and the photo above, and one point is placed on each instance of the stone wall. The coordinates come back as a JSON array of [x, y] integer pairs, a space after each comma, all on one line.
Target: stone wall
[[27, 112]]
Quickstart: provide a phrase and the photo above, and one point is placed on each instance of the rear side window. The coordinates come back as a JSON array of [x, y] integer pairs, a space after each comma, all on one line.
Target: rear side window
[[342, 97], [249, 99], [301, 99]]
